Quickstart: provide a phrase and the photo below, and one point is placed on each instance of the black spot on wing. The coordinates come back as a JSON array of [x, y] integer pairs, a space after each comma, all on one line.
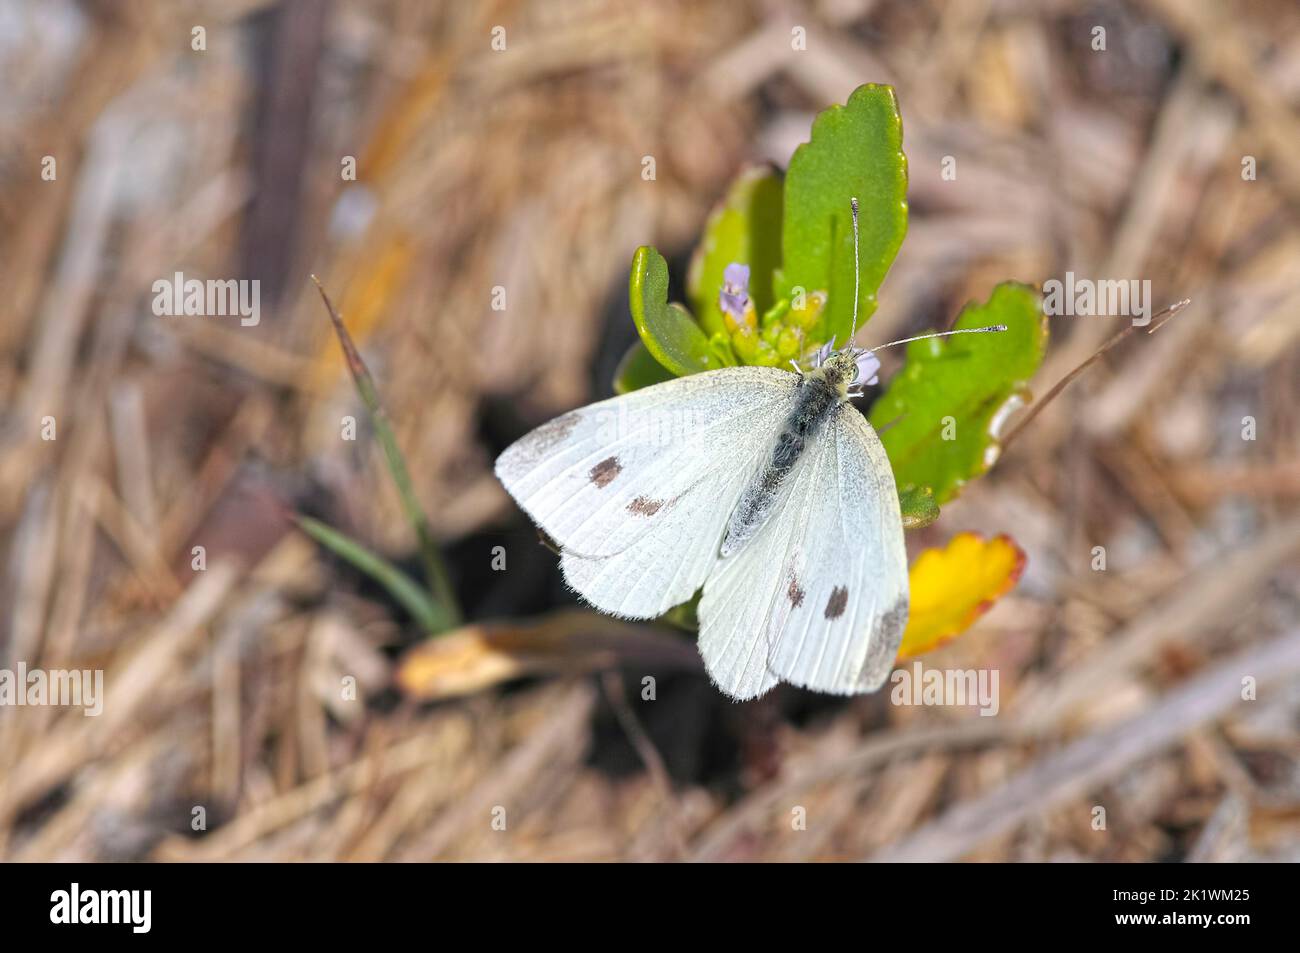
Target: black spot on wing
[[795, 593], [838, 601], [644, 506], [603, 473], [894, 621], [884, 647]]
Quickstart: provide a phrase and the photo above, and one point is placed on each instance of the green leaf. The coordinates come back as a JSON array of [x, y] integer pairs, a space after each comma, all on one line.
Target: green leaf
[[685, 616], [918, 506], [405, 590], [855, 150], [669, 332], [720, 344], [746, 228], [974, 379], [638, 369]]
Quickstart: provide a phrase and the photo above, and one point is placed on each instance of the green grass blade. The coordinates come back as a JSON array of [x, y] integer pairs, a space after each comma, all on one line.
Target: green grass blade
[[409, 594], [430, 556]]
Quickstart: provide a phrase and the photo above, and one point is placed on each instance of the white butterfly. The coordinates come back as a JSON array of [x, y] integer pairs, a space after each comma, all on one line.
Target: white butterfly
[[765, 487]]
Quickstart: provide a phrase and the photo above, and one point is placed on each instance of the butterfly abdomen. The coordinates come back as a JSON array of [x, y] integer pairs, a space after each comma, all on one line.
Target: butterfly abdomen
[[815, 400]]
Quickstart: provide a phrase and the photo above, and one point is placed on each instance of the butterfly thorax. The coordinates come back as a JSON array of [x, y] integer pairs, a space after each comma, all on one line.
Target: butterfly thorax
[[839, 371], [817, 394]]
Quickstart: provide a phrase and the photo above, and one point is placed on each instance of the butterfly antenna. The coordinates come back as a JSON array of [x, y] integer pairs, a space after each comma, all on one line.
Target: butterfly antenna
[[942, 334], [857, 274]]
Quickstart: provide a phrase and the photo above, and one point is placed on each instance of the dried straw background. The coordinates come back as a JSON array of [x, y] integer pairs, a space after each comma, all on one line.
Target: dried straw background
[[522, 169]]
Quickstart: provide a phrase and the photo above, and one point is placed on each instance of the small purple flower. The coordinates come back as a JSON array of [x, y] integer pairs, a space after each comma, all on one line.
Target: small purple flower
[[868, 365], [823, 352], [735, 291]]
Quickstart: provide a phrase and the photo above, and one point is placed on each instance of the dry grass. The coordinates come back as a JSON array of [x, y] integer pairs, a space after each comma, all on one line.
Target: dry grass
[[522, 169]]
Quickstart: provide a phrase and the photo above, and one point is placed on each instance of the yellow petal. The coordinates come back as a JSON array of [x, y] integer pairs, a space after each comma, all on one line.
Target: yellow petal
[[953, 586]]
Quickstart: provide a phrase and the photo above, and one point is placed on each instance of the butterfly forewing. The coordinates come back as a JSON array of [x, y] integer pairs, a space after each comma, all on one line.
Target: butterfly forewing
[[740, 596], [669, 562], [844, 607], [819, 597], [636, 489]]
